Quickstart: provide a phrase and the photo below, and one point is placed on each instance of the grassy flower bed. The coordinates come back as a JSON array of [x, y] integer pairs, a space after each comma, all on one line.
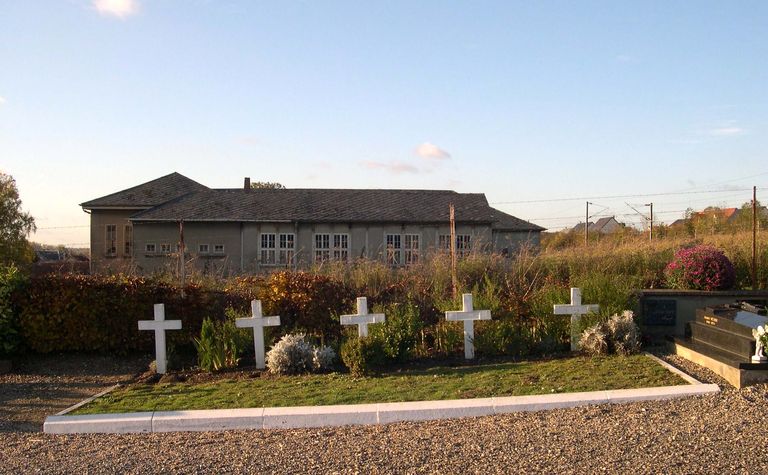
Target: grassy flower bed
[[503, 379]]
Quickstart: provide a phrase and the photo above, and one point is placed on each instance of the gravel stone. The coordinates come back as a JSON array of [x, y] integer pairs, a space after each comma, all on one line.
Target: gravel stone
[[721, 433]]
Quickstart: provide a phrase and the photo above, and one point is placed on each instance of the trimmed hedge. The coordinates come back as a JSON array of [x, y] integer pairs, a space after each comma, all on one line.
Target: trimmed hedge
[[94, 313]]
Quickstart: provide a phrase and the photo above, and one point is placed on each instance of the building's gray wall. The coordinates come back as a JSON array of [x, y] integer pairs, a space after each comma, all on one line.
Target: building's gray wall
[[100, 261], [510, 242], [226, 234], [242, 242]]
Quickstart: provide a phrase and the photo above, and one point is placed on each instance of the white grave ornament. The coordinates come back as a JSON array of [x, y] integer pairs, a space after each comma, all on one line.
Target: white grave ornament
[[468, 315], [257, 321], [362, 318], [160, 325], [759, 356], [575, 309]]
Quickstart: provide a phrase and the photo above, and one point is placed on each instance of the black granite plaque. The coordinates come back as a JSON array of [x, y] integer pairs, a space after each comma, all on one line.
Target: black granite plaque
[[660, 312]]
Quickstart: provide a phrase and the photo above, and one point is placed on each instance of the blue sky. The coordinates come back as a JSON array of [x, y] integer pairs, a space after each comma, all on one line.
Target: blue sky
[[520, 100]]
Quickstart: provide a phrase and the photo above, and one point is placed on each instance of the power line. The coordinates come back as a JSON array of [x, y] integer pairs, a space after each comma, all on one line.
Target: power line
[[640, 195]]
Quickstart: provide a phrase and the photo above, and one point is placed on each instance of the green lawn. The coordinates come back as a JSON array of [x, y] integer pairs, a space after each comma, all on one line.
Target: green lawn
[[505, 379]]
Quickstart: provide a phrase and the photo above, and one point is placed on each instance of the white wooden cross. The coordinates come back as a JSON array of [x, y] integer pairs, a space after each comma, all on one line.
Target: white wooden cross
[[257, 321], [575, 310], [468, 315], [362, 319], [160, 325]]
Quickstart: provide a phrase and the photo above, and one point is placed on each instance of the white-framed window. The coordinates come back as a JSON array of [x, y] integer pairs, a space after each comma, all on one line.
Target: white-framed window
[[287, 246], [394, 249], [341, 247], [218, 248], [110, 238], [322, 247], [277, 248], [128, 240], [150, 248], [203, 248], [331, 247], [463, 243], [411, 248], [267, 248], [165, 248]]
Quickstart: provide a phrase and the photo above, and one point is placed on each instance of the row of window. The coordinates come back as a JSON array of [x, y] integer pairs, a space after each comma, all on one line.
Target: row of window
[[280, 248], [151, 248]]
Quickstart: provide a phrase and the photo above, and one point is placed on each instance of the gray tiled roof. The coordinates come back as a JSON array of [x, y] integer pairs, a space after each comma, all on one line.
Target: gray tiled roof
[[507, 222], [331, 205], [149, 194]]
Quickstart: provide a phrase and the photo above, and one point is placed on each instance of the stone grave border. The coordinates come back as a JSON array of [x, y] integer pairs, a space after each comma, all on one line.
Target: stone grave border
[[356, 414]]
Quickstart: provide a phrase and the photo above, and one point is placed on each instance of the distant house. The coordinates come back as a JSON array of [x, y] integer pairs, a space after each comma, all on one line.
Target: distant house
[[607, 225], [710, 217], [251, 230]]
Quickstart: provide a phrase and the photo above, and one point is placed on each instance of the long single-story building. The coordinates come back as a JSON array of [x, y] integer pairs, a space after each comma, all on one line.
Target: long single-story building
[[246, 230]]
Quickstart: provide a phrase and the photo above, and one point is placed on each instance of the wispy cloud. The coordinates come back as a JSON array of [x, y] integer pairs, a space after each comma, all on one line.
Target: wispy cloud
[[117, 8], [431, 151], [2, 100], [394, 167], [728, 131]]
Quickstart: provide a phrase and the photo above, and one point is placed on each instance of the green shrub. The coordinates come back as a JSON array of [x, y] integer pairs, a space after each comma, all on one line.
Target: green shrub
[[220, 344], [399, 332], [502, 338], [448, 337], [11, 281], [363, 356]]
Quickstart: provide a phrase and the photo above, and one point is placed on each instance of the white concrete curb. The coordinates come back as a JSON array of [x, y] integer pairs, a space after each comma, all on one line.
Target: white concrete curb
[[356, 414]]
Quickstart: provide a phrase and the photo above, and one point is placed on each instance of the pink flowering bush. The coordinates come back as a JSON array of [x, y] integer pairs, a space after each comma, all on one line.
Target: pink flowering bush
[[700, 268]]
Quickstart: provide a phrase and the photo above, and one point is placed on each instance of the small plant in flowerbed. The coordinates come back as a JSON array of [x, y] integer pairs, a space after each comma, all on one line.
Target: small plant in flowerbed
[[700, 268], [220, 344], [293, 355], [619, 334]]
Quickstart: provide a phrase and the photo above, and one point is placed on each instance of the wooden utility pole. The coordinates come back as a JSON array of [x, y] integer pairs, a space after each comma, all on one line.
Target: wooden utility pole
[[754, 238], [181, 257], [650, 227], [454, 277], [586, 225]]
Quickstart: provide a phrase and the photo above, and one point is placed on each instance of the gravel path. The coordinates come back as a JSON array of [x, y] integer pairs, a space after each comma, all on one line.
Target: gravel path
[[712, 434]]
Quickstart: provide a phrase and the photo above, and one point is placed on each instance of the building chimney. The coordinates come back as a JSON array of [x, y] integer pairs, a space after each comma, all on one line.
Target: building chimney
[[247, 184]]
